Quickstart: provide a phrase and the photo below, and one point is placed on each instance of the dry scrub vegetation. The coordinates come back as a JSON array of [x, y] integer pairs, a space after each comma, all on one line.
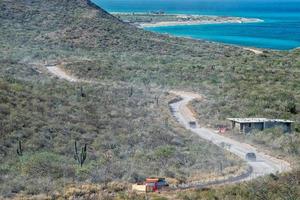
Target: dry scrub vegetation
[[128, 135], [280, 187], [128, 131]]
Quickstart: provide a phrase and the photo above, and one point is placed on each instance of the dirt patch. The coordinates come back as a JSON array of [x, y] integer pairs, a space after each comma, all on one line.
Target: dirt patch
[[256, 51]]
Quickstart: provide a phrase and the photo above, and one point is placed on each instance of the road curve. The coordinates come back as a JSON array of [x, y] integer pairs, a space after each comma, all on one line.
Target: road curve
[[57, 71], [264, 164]]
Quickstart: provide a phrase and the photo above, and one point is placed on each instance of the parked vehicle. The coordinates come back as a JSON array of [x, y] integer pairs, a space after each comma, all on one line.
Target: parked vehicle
[[162, 183], [251, 156], [193, 124], [151, 185]]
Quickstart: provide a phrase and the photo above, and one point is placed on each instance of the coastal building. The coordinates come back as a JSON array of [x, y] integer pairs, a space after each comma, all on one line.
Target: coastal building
[[246, 125]]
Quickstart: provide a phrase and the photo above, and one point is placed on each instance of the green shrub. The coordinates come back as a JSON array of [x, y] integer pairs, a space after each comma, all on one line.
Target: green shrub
[[46, 164], [164, 152], [125, 133]]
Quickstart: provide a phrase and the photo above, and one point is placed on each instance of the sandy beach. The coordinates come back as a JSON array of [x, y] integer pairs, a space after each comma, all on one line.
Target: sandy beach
[[256, 51], [199, 22]]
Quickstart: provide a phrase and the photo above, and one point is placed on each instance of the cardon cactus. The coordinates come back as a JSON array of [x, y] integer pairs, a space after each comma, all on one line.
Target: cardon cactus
[[19, 149], [130, 92], [80, 158]]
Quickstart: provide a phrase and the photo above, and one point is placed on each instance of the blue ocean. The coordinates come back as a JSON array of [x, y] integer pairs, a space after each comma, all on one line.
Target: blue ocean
[[280, 29]]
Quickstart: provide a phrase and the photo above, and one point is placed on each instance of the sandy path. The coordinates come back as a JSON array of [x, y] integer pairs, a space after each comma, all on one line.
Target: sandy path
[[264, 165], [60, 73]]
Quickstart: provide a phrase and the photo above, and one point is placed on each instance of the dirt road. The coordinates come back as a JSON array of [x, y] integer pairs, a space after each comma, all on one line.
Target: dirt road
[[60, 73], [264, 164]]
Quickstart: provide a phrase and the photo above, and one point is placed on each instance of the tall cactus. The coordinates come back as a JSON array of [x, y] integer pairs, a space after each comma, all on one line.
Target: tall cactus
[[19, 149], [82, 94], [80, 158], [157, 100], [130, 92]]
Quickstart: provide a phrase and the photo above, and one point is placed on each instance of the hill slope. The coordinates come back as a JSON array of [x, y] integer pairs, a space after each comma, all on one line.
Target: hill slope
[[128, 137], [100, 46], [128, 130]]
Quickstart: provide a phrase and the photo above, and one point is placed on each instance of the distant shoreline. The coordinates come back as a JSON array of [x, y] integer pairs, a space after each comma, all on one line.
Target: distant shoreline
[[199, 22], [180, 19]]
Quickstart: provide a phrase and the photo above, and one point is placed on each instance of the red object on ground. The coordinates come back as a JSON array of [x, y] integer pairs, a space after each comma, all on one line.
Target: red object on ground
[[156, 183], [222, 130], [155, 187], [152, 180]]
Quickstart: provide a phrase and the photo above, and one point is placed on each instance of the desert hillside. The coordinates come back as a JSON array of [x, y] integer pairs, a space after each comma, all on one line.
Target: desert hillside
[[128, 130], [123, 117]]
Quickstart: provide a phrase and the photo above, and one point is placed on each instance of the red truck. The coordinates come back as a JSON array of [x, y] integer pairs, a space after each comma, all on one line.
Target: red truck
[[151, 185]]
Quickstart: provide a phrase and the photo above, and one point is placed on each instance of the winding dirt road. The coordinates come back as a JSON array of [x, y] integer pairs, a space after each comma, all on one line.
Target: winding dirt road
[[264, 164], [57, 71]]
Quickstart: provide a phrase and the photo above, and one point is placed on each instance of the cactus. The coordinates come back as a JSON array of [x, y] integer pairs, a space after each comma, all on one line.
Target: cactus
[[80, 158], [130, 92], [19, 149], [157, 100], [82, 94]]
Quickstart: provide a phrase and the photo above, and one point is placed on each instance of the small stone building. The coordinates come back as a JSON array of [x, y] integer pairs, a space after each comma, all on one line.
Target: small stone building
[[246, 125]]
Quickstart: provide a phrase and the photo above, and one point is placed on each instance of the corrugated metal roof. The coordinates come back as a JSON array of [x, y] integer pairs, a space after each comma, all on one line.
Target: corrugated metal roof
[[256, 120]]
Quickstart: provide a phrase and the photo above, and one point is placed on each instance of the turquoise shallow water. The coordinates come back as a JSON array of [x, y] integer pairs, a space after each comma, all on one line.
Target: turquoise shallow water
[[280, 29]]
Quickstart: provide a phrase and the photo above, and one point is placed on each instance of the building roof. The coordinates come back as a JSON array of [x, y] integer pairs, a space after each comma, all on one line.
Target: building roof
[[257, 120]]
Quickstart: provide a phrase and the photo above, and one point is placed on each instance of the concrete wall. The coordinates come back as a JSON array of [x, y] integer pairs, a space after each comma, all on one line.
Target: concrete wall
[[248, 127], [236, 126], [286, 127]]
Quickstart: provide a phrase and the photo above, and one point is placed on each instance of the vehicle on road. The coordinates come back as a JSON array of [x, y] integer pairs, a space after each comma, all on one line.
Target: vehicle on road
[[151, 185], [251, 156], [193, 124], [160, 182]]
